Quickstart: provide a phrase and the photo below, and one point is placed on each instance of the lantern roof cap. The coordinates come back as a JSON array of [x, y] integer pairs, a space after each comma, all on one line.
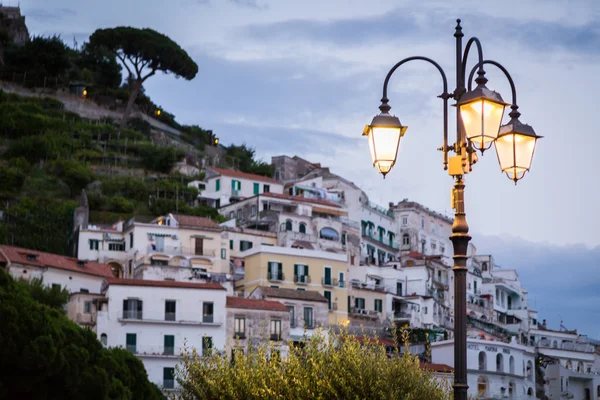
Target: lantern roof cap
[[481, 92], [384, 120], [514, 126]]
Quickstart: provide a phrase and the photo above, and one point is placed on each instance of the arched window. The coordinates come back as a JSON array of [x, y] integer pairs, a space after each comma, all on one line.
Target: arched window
[[511, 390], [511, 365], [579, 366], [405, 240], [104, 339], [530, 392], [555, 344], [302, 228], [500, 363], [482, 385], [569, 365], [530, 371], [329, 234], [484, 266], [482, 361], [116, 269], [288, 225]]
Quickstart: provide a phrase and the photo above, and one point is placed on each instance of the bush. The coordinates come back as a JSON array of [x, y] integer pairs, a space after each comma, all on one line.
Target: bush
[[131, 188], [72, 172], [120, 204], [328, 366]]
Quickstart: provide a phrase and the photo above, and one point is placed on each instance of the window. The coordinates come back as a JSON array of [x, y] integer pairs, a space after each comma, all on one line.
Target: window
[[404, 220], [169, 378], [223, 254], [499, 363], [329, 234], [94, 244], [169, 345], [484, 266], [327, 276], [201, 186], [292, 311], [104, 339], [398, 288], [425, 310], [253, 211], [170, 310], [511, 365], [275, 329], [422, 223], [482, 361], [218, 185], [208, 312], [275, 272], [442, 249], [87, 307], [343, 238], [378, 305], [359, 303], [231, 214], [84, 290], [116, 246], [288, 225], [31, 257], [554, 345], [481, 387], [207, 345], [131, 240], [327, 295], [256, 188], [352, 260], [245, 245], [301, 273], [301, 289], [266, 188], [302, 228], [240, 328], [132, 309], [432, 226], [130, 267], [309, 322], [131, 342], [239, 214], [56, 285], [341, 280]]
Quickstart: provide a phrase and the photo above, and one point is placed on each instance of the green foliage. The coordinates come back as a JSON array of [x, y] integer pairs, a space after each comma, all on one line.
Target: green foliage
[[11, 179], [130, 188], [160, 159], [328, 366], [102, 64], [242, 158], [120, 204], [39, 57], [53, 296], [50, 357], [72, 172], [139, 125]]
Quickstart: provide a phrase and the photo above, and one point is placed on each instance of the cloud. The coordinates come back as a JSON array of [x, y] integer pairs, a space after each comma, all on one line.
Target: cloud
[[52, 15], [562, 281], [250, 4]]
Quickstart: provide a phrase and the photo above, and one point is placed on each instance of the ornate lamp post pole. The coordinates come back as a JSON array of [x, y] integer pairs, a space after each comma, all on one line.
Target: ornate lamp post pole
[[478, 127]]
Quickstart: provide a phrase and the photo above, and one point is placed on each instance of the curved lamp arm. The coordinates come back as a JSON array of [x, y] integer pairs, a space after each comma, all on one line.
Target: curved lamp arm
[[384, 107], [481, 78], [514, 113]]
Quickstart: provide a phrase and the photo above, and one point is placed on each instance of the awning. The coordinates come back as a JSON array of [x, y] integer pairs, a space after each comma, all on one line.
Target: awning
[[201, 237], [160, 257], [332, 211], [160, 234]]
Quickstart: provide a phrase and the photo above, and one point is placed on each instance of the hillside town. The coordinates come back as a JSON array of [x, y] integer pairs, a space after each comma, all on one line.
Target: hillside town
[[303, 250]]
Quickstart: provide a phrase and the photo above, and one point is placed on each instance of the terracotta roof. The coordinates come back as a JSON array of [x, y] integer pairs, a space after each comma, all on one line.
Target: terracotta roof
[[48, 260], [196, 222], [436, 367], [293, 294], [165, 284], [242, 175], [301, 199], [255, 304], [414, 254]]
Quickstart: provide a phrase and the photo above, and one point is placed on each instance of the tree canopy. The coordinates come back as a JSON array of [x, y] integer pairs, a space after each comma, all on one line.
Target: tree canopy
[[46, 356], [143, 52]]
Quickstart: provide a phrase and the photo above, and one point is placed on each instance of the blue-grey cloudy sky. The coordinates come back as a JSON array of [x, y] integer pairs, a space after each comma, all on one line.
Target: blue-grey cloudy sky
[[304, 77]]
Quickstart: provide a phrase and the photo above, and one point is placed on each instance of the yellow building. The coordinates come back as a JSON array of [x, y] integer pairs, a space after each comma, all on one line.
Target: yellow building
[[300, 269]]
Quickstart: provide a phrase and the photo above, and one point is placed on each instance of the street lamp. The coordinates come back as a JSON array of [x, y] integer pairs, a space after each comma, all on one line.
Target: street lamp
[[478, 126]]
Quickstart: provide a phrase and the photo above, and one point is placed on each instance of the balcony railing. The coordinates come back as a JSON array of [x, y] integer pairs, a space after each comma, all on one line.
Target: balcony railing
[[364, 313], [275, 276], [155, 351], [173, 250], [382, 210], [239, 335], [169, 383], [342, 284], [302, 279], [381, 239], [329, 281], [401, 315], [208, 318], [275, 336], [169, 316], [132, 314]]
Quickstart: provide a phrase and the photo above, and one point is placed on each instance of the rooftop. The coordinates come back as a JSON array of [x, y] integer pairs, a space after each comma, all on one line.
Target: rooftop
[[41, 259], [242, 175], [192, 221], [293, 294], [255, 304], [302, 199], [436, 367], [164, 284]]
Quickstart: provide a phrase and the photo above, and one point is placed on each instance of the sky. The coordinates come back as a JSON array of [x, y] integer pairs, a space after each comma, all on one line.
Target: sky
[[304, 77]]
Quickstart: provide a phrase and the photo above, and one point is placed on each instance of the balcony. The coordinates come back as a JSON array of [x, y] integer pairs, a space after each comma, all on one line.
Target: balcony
[[285, 236], [171, 250], [170, 318], [329, 282], [275, 276], [85, 319], [360, 312], [342, 284], [302, 279], [155, 351], [275, 336], [381, 240], [402, 316], [132, 315]]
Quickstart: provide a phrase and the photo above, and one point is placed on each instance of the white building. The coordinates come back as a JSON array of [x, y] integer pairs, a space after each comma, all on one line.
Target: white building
[[224, 186], [495, 370], [153, 320]]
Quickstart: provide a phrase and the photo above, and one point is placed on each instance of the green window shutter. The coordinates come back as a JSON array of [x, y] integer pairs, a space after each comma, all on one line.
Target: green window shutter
[[306, 270], [231, 245], [256, 188], [349, 303], [295, 270], [169, 341], [239, 185], [131, 339], [327, 295], [233, 184], [218, 183], [327, 274], [344, 238], [280, 267]]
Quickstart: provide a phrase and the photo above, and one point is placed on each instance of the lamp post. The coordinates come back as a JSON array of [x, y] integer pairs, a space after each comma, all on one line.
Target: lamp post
[[478, 127]]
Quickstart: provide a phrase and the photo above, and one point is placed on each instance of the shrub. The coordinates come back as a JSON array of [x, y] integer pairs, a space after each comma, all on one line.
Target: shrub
[[72, 172], [120, 204], [328, 366]]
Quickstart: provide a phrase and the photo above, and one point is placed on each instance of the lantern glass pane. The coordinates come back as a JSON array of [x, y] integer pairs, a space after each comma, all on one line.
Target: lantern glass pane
[[515, 153], [384, 142], [481, 121]]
